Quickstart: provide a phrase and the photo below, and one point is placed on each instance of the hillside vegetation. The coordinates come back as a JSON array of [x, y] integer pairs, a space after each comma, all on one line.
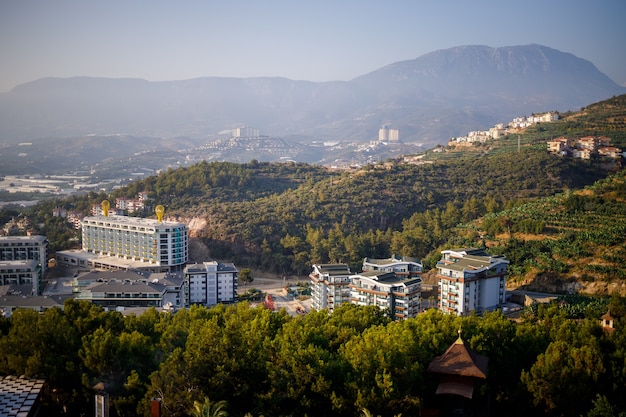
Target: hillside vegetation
[[281, 218], [574, 240], [556, 362]]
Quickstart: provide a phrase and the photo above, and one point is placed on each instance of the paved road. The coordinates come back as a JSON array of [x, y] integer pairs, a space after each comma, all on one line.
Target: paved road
[[281, 299]]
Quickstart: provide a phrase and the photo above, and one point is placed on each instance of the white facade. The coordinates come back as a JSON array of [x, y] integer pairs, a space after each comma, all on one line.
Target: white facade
[[18, 273], [330, 286], [17, 249], [400, 265], [116, 290], [211, 283], [147, 241], [471, 280], [388, 135], [399, 296], [245, 132]]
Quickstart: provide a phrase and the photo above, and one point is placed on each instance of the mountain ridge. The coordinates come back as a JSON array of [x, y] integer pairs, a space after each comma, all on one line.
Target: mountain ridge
[[429, 99]]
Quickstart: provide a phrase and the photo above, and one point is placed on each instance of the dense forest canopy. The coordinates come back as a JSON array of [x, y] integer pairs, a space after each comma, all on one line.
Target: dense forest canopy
[[557, 361]]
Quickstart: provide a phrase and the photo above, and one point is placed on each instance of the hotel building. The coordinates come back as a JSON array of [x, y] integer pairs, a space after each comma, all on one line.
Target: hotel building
[[122, 242]]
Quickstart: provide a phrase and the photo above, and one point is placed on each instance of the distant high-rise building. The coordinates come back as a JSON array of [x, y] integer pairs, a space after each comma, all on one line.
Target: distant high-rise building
[[388, 135], [245, 132]]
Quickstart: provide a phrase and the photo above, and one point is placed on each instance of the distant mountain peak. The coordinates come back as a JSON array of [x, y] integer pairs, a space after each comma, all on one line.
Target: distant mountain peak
[[429, 99]]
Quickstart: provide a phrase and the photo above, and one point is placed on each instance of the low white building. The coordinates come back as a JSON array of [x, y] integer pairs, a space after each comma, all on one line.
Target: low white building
[[471, 280], [116, 290]]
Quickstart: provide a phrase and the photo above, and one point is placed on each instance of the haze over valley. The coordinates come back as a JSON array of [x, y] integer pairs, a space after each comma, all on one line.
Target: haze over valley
[[123, 126]]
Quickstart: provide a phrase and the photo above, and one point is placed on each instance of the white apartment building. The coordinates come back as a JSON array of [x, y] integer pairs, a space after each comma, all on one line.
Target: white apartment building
[[385, 134], [211, 283], [330, 286], [22, 273], [471, 280], [21, 248], [245, 132], [399, 296], [15, 250], [122, 242], [403, 266]]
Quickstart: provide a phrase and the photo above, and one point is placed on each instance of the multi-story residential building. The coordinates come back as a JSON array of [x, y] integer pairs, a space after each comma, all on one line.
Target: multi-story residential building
[[75, 218], [398, 295], [14, 250], [122, 242], [330, 286], [559, 145], [129, 204], [22, 273], [610, 152], [582, 153], [211, 283], [403, 266], [385, 134], [603, 141], [587, 142], [20, 248], [471, 280]]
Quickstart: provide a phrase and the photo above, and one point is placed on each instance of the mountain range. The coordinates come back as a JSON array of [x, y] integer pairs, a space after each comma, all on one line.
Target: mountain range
[[429, 99]]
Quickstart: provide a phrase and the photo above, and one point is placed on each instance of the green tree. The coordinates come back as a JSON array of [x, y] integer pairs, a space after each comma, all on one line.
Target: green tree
[[245, 275], [209, 409], [576, 367]]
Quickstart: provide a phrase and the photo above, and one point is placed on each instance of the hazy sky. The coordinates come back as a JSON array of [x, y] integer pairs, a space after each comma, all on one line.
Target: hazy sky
[[314, 40]]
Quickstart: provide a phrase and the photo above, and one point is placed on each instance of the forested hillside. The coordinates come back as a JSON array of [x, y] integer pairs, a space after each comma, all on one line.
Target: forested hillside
[[282, 217], [254, 362]]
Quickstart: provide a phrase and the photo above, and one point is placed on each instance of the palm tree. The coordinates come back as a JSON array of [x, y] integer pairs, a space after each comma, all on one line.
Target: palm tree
[[208, 409]]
